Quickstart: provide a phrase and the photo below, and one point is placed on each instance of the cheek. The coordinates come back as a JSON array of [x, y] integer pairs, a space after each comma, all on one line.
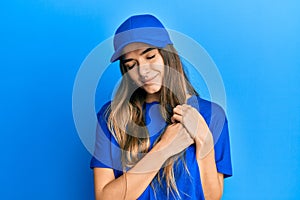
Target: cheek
[[160, 66], [161, 69], [133, 75]]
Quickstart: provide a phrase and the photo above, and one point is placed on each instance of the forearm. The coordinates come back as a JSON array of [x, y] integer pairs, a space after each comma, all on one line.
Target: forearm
[[211, 182], [132, 184]]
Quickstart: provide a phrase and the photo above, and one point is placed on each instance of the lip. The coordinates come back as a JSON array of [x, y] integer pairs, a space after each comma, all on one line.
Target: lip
[[148, 81]]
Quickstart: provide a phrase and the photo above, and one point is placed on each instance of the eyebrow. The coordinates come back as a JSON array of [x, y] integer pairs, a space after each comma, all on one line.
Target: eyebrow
[[147, 50], [144, 52]]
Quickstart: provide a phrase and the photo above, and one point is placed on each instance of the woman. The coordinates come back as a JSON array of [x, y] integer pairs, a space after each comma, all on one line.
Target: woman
[[157, 139]]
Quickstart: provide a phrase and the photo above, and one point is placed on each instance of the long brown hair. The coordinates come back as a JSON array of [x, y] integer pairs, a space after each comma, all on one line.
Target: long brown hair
[[126, 118]]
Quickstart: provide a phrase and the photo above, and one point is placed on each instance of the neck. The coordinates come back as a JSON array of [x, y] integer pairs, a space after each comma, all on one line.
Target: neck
[[152, 97]]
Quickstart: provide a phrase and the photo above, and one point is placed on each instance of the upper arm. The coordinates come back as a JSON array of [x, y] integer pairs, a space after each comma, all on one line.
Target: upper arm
[[102, 176], [221, 181]]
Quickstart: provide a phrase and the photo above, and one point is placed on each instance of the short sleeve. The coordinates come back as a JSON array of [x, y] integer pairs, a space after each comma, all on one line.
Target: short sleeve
[[216, 120], [219, 129], [107, 151]]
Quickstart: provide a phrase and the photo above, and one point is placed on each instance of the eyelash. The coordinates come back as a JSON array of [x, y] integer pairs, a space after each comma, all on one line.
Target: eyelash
[[130, 67], [148, 58]]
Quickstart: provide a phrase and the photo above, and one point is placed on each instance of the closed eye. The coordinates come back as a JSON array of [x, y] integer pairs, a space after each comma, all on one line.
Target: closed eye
[[129, 63], [131, 66], [150, 57]]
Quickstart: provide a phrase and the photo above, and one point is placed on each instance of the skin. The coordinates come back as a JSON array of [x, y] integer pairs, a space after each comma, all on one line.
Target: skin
[[146, 68], [212, 181]]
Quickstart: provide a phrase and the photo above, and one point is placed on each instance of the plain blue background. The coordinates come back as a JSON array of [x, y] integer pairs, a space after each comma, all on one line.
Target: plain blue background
[[255, 45]]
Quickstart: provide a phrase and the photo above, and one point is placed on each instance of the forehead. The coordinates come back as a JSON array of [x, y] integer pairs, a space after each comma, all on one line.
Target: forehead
[[135, 48]]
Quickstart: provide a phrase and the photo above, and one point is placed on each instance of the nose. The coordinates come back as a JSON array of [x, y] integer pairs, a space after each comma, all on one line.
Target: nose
[[144, 70]]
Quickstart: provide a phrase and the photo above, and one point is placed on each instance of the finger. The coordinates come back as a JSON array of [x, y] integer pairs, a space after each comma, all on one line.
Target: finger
[[177, 118], [189, 110], [173, 120], [178, 110], [172, 125], [186, 107]]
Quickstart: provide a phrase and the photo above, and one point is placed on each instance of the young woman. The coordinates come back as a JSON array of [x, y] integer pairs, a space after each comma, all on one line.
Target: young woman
[[157, 139]]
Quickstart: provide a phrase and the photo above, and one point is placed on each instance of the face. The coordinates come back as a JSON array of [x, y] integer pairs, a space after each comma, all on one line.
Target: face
[[145, 66]]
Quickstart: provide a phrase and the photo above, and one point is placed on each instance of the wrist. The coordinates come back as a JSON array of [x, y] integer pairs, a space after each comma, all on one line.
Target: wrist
[[204, 147], [151, 162], [161, 151]]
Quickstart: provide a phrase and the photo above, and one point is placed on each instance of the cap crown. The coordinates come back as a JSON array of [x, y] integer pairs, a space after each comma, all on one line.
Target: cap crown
[[140, 28]]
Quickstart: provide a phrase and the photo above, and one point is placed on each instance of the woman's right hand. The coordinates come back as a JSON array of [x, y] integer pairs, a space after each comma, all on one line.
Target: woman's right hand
[[175, 139]]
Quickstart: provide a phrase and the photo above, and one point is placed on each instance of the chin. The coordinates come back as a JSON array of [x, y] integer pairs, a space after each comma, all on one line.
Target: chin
[[152, 89]]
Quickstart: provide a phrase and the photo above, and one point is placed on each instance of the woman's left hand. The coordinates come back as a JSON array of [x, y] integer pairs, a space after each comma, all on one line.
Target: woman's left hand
[[195, 124]]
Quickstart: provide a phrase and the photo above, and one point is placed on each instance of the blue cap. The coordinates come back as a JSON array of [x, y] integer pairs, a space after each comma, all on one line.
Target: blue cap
[[140, 28]]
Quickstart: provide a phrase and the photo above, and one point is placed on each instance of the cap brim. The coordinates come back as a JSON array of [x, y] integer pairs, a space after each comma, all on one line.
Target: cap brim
[[119, 52]]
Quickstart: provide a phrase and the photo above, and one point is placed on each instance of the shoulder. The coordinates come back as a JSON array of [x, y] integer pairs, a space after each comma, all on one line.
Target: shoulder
[[104, 111], [206, 108], [103, 125], [215, 118]]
